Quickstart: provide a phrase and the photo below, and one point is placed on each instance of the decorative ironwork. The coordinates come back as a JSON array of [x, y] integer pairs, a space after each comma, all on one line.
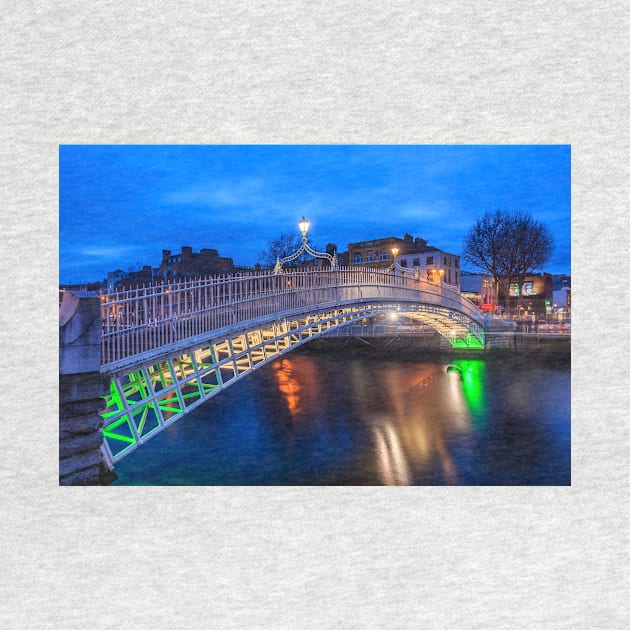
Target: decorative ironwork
[[305, 247]]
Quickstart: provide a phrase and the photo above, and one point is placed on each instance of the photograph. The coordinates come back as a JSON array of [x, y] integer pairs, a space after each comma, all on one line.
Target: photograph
[[315, 315]]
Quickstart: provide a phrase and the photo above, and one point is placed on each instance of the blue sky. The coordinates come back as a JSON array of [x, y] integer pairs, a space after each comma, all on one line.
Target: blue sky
[[120, 205]]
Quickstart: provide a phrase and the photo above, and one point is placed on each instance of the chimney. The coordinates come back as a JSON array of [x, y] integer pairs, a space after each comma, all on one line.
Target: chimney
[[166, 254], [186, 253]]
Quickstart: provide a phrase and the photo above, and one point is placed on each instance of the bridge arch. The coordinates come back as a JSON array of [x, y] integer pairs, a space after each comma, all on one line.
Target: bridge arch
[[154, 385]]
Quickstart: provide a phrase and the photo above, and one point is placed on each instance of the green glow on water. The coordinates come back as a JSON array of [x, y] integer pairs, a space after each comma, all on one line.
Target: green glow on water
[[474, 385]]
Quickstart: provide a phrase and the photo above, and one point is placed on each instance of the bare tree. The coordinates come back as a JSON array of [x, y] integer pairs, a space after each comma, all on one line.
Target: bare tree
[[508, 245], [283, 246], [533, 245]]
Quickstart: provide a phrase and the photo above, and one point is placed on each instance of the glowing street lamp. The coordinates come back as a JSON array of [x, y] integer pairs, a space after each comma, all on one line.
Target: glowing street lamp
[[394, 264], [304, 225]]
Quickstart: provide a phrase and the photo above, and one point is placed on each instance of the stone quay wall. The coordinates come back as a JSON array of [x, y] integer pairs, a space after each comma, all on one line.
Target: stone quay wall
[[81, 387]]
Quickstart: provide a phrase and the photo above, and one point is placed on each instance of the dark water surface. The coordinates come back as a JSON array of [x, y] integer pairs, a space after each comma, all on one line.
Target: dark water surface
[[362, 417]]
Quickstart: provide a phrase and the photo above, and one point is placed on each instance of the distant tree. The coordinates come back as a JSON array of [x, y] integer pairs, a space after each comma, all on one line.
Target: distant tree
[[508, 245], [135, 267], [284, 245]]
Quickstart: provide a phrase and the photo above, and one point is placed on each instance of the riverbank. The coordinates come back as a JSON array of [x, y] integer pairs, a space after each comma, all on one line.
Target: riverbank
[[510, 345]]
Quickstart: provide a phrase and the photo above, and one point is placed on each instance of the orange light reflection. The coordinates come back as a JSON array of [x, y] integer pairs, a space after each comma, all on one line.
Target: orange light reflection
[[288, 385]]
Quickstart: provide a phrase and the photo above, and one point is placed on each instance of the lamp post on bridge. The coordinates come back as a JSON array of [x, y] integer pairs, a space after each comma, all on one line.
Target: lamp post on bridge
[[303, 226], [395, 266]]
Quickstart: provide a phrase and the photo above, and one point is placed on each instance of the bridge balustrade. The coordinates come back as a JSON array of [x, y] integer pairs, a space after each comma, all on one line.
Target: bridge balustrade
[[143, 319]]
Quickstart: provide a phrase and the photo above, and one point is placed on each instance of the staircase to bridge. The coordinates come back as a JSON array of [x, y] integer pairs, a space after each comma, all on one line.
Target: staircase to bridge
[[168, 348]]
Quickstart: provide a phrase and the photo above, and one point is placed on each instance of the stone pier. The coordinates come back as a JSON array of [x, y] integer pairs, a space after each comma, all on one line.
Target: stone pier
[[81, 386]]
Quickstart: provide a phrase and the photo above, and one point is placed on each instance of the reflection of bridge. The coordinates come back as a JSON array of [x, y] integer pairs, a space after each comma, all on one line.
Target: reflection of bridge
[[169, 348]]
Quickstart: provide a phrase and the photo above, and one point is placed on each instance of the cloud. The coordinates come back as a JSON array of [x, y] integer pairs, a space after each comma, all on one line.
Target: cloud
[[219, 194], [106, 252]]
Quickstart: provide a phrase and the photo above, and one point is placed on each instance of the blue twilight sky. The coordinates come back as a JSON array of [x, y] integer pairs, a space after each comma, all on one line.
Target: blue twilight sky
[[121, 205]]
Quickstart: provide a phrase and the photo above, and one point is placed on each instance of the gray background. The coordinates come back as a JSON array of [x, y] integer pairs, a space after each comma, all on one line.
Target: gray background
[[305, 72]]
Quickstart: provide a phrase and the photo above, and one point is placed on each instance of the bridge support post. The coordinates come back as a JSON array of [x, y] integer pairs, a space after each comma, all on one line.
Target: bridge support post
[[81, 385]]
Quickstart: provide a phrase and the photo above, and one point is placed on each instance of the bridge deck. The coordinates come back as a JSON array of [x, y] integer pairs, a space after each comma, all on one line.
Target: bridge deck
[[144, 321]]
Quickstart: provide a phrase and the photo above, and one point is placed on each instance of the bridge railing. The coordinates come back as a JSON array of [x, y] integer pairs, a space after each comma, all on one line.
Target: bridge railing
[[139, 320]]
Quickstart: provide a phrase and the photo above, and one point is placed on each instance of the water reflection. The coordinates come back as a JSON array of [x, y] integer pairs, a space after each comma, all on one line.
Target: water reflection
[[391, 459], [335, 420], [288, 385]]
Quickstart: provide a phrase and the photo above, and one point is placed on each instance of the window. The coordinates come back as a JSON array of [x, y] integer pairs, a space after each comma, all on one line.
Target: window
[[444, 259], [456, 263], [416, 262], [528, 288], [357, 259], [370, 257], [403, 262], [384, 255], [429, 260]]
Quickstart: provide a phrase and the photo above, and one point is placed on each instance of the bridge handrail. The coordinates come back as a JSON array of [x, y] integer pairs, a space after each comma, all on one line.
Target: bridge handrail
[[144, 318]]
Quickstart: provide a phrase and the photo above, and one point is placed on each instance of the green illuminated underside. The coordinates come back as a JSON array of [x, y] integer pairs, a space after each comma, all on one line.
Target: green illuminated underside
[[470, 342]]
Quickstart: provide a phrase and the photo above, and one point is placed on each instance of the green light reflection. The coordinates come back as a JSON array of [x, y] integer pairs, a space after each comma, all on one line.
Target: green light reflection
[[473, 372]]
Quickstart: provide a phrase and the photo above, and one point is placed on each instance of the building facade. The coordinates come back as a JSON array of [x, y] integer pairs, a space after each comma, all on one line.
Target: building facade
[[189, 264], [479, 288], [173, 267], [425, 261], [432, 264], [531, 299], [378, 252]]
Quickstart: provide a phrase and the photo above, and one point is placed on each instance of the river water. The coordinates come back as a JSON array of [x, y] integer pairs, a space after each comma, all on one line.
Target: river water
[[358, 416]]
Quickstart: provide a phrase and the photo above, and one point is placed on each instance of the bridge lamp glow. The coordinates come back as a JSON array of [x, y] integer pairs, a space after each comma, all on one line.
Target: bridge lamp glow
[[395, 251], [304, 225]]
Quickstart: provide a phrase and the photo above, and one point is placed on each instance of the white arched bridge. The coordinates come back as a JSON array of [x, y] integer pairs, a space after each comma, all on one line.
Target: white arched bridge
[[170, 347]]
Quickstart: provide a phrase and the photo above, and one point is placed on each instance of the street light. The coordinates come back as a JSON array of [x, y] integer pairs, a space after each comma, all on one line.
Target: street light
[[394, 264], [304, 225]]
